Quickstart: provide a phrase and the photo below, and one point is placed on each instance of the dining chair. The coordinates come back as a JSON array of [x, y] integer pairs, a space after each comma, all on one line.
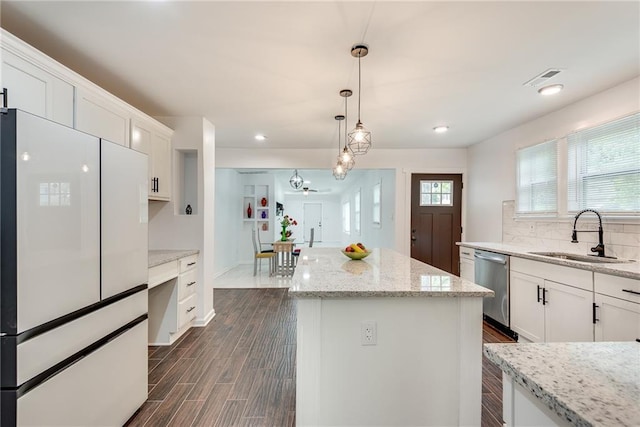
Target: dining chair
[[260, 244], [259, 256]]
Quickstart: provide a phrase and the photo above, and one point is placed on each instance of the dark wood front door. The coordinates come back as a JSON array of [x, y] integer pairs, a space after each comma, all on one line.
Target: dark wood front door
[[436, 223]]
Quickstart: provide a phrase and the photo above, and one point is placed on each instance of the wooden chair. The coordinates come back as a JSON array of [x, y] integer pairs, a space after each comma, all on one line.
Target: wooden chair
[[260, 244], [259, 256]]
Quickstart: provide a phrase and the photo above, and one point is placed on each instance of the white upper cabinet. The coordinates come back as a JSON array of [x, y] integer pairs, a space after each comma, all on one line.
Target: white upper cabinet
[[32, 89], [154, 140], [99, 116]]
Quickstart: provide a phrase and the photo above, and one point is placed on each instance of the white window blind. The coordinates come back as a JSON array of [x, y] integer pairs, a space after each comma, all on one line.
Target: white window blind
[[537, 173], [604, 167]]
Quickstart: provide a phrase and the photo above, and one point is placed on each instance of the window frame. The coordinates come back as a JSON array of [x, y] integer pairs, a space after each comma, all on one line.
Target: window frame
[[376, 207]]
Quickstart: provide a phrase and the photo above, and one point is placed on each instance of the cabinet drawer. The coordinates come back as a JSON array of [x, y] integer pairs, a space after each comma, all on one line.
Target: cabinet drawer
[[187, 284], [188, 263], [163, 272], [186, 311], [556, 273], [467, 253], [617, 287]]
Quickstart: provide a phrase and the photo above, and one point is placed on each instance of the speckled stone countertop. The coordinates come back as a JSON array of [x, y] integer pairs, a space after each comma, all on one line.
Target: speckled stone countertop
[[327, 273], [588, 384], [166, 255], [630, 269]]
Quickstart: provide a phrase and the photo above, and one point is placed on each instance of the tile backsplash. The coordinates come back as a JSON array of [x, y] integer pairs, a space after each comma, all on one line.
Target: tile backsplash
[[621, 239]]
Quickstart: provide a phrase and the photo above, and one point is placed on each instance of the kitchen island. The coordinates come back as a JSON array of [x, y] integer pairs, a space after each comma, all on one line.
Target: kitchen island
[[569, 384], [387, 340]]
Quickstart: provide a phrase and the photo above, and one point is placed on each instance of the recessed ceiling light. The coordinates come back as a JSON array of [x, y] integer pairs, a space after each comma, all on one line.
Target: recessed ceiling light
[[550, 90], [440, 129], [261, 137]]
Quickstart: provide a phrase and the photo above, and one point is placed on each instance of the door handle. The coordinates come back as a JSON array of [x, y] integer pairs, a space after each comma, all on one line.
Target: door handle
[[413, 238]]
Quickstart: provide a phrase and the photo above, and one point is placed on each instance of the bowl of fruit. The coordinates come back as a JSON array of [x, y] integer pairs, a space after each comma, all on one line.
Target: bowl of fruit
[[356, 251]]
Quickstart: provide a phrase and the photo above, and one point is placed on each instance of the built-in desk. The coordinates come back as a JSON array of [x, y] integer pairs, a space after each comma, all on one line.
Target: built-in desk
[[172, 296]]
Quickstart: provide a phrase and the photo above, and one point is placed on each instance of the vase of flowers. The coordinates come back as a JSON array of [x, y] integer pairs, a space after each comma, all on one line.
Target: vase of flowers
[[285, 223]]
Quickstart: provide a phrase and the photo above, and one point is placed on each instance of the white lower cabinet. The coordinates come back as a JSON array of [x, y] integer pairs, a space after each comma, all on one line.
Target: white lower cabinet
[[617, 308], [172, 299], [467, 264], [544, 310]]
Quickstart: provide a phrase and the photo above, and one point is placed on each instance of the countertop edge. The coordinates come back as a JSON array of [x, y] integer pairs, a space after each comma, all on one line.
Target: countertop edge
[[550, 400], [382, 294], [163, 256], [597, 268]]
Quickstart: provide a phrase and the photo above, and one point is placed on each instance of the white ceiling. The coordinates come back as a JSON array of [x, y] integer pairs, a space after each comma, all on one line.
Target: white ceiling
[[277, 67]]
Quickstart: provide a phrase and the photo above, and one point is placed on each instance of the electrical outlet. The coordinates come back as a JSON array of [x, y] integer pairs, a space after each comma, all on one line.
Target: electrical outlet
[[532, 229], [368, 333]]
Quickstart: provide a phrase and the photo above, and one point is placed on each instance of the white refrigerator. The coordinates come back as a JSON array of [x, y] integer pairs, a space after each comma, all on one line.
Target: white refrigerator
[[73, 276]]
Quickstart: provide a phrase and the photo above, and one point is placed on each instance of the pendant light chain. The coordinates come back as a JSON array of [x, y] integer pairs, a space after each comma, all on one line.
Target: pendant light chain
[[359, 85]]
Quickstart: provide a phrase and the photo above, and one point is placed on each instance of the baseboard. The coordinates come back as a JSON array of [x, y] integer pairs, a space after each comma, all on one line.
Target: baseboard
[[199, 323]]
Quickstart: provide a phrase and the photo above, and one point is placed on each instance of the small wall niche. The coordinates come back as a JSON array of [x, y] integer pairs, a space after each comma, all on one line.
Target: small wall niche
[[187, 182]]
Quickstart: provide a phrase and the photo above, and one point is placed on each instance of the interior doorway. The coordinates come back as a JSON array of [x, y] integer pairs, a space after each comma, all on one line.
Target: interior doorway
[[436, 220], [312, 218]]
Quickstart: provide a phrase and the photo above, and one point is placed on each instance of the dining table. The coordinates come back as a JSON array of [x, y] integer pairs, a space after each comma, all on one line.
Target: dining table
[[284, 259]]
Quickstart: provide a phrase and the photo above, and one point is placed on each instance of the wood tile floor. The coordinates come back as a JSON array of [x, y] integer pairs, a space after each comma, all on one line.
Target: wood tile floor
[[240, 369]]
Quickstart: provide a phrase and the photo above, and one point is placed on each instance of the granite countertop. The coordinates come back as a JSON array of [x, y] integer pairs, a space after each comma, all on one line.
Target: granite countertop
[[327, 273], [163, 256], [628, 269], [588, 384]]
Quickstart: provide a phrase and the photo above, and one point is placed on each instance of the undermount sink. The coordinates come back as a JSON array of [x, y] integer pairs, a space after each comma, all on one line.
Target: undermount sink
[[582, 258]]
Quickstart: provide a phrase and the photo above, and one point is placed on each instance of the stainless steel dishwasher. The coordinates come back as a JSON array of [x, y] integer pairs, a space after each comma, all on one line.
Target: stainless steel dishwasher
[[492, 271]]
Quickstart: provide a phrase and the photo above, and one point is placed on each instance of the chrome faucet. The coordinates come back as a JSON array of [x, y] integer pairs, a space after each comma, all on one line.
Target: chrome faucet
[[574, 236]]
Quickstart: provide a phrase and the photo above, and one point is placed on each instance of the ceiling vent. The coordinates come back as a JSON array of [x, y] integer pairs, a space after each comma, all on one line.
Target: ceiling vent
[[543, 77]]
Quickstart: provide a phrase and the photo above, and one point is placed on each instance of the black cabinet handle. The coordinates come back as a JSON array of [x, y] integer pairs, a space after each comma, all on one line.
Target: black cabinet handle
[[544, 297], [631, 292], [191, 263], [191, 309], [5, 97], [595, 319], [157, 185], [191, 284], [538, 286]]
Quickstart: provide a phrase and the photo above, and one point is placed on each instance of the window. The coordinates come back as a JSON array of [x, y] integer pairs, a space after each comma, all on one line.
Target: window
[[537, 178], [356, 212], [436, 193], [376, 205], [604, 167], [346, 218]]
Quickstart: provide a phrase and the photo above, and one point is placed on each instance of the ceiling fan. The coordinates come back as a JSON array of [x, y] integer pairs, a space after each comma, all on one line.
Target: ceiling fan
[[307, 190]]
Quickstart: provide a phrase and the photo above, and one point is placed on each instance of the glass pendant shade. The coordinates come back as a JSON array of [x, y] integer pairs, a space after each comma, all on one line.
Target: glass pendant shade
[[339, 171], [359, 140], [347, 159]]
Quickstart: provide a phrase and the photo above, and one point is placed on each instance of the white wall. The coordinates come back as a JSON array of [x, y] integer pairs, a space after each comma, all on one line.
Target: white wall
[[491, 163], [372, 236], [228, 219], [331, 225], [404, 162], [168, 230]]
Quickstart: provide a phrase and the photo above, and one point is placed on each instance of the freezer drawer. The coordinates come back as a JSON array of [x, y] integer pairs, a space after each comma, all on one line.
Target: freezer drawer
[[102, 389]]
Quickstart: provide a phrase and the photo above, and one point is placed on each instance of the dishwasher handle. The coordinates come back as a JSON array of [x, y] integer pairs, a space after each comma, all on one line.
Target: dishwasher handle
[[492, 259]]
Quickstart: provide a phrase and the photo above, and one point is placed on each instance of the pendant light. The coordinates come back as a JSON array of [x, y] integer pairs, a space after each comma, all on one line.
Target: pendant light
[[346, 156], [339, 170], [359, 137], [296, 180]]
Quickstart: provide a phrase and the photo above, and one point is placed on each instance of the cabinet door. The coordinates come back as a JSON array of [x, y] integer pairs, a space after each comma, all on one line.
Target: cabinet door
[[527, 314], [161, 159], [568, 313], [141, 141], [101, 117], [36, 91], [617, 320], [467, 269]]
